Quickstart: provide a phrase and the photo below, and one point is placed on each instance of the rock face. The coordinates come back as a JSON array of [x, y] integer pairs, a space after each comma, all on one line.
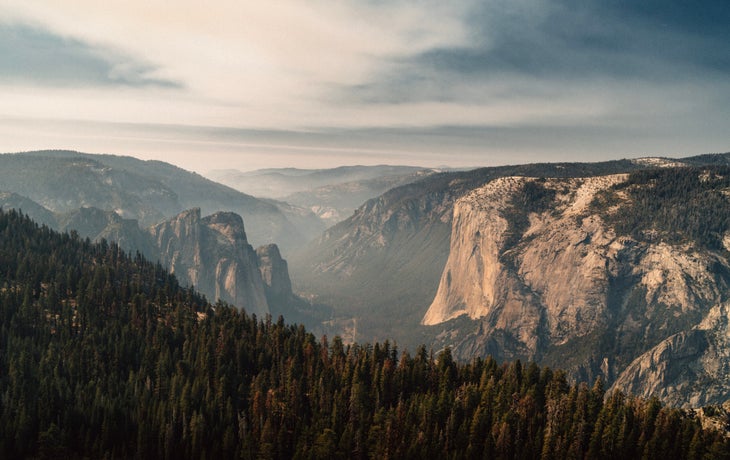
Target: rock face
[[553, 286], [561, 265], [557, 285], [689, 368], [213, 255], [275, 274], [210, 253]]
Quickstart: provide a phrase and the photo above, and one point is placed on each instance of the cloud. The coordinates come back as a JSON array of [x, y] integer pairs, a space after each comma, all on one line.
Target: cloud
[[29, 54], [254, 52], [562, 44], [364, 75]]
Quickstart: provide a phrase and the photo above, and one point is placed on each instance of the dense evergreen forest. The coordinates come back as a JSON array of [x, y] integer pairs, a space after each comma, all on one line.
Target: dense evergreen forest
[[104, 355]]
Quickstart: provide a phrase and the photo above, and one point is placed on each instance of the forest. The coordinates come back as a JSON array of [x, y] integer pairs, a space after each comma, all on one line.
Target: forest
[[679, 205], [105, 355]]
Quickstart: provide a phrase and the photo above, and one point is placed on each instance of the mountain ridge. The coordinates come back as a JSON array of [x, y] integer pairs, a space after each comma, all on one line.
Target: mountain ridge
[[149, 191]]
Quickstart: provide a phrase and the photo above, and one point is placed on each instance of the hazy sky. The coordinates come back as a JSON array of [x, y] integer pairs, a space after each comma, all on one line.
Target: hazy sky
[[314, 83]]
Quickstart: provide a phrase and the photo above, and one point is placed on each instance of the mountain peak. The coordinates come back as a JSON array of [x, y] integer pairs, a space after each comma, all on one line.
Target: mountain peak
[[227, 224], [191, 215], [213, 254]]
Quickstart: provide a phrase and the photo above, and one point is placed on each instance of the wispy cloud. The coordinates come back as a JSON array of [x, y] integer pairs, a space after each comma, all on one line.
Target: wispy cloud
[[34, 55]]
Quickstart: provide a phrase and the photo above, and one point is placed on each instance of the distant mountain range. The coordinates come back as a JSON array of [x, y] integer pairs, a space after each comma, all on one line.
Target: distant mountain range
[[281, 182], [147, 191], [332, 194]]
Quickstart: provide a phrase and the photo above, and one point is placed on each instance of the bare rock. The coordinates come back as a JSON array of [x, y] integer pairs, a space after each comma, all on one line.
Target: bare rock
[[557, 285], [212, 254]]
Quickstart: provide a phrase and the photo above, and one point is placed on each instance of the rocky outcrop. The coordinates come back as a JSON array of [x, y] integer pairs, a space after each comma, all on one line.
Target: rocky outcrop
[[691, 368], [212, 254], [558, 285], [282, 301], [275, 274]]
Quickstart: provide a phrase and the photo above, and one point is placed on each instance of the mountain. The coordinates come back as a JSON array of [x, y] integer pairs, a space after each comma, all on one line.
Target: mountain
[[148, 191], [331, 194], [389, 255], [281, 182], [212, 254], [625, 277], [62, 182]]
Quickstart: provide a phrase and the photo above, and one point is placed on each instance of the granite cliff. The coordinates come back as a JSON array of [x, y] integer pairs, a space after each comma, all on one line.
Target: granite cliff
[[212, 254], [274, 273], [546, 273], [389, 255]]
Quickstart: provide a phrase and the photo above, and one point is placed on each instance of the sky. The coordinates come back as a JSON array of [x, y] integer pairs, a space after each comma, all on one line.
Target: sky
[[321, 83]]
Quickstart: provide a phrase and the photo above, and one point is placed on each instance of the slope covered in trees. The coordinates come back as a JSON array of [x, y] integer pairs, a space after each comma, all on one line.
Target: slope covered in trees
[[105, 355], [678, 205]]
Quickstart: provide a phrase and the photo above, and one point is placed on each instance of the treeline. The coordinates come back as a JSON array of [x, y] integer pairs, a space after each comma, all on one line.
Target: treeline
[[676, 205], [104, 355]]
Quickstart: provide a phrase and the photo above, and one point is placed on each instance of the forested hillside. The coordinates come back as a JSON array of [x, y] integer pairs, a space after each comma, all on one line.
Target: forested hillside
[[104, 355], [679, 205]]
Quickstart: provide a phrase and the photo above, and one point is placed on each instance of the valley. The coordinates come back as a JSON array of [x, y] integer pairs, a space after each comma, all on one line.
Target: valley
[[607, 270], [365, 230], [135, 364]]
